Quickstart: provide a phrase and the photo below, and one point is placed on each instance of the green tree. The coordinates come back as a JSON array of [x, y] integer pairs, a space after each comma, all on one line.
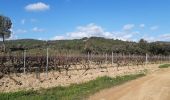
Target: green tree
[[143, 45], [5, 26]]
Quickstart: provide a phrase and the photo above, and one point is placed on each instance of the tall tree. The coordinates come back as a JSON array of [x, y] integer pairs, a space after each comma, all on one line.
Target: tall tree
[[5, 26]]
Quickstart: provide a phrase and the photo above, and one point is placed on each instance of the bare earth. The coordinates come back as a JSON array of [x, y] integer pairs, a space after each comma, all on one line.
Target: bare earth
[[155, 86], [28, 81]]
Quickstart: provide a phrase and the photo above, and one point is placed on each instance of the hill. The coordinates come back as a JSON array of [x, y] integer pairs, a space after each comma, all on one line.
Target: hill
[[94, 45]]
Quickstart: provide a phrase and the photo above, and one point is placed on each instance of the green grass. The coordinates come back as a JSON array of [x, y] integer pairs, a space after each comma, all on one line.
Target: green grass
[[72, 92], [164, 66]]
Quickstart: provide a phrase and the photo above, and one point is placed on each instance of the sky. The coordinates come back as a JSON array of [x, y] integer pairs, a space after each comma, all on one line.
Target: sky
[[74, 19]]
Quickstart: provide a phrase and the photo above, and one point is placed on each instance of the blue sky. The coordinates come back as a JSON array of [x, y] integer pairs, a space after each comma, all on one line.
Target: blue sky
[[70, 19]]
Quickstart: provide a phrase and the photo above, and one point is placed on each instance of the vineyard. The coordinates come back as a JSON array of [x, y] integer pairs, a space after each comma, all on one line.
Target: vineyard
[[20, 70], [23, 63]]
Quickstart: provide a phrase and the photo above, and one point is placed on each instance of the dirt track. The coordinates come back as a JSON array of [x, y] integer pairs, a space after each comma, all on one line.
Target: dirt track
[[155, 86]]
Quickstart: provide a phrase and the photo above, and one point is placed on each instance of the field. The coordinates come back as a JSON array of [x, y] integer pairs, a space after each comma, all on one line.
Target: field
[[20, 72], [40, 72], [22, 81], [84, 49], [72, 92]]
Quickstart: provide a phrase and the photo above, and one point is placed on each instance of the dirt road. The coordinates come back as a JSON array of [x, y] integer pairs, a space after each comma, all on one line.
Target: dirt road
[[155, 86]]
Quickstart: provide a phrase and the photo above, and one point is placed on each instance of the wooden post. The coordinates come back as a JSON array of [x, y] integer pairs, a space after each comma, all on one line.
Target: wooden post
[[146, 59], [129, 57], [130, 61], [47, 64], [91, 56], [37, 72], [24, 60], [106, 57], [88, 56], [112, 58], [159, 59]]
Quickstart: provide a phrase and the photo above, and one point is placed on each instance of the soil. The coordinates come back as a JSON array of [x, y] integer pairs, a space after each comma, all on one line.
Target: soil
[[154, 86], [13, 82]]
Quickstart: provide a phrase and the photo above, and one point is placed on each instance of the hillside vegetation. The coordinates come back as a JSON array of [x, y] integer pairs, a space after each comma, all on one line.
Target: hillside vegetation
[[96, 45]]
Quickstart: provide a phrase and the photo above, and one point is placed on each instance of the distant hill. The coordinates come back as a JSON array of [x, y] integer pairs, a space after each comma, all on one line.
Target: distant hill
[[94, 45]]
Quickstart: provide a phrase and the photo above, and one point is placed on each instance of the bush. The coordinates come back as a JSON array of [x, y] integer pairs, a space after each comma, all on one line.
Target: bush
[[164, 66]]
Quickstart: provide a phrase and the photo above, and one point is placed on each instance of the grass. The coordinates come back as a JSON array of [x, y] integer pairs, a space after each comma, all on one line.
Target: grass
[[72, 92], [164, 66]]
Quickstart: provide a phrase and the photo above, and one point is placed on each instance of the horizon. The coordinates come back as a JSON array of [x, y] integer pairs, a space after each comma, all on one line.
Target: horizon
[[87, 38], [74, 19]]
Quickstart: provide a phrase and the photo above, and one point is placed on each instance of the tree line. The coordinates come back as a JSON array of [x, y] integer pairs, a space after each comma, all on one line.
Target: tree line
[[94, 45]]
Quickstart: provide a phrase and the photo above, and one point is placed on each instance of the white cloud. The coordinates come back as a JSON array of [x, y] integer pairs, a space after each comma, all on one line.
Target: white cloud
[[92, 29], [13, 35], [18, 31], [154, 28], [40, 38], [40, 6], [142, 25], [128, 27], [124, 35], [36, 29], [23, 21], [58, 38], [87, 31], [165, 36], [150, 38]]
